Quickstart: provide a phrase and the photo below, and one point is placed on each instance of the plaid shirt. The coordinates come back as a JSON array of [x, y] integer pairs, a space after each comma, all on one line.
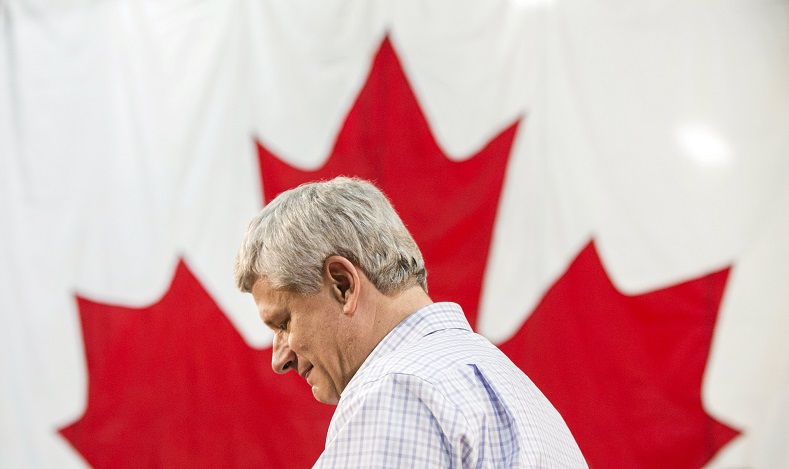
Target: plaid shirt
[[434, 394]]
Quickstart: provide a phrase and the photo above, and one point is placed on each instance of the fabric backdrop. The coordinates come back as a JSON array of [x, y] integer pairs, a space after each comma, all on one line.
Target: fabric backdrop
[[602, 185]]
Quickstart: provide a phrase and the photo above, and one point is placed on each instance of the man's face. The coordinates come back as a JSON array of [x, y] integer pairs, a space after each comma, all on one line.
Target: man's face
[[310, 337]]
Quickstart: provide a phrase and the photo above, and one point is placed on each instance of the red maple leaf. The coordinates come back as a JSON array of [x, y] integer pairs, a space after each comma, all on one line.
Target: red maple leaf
[[174, 385], [625, 371]]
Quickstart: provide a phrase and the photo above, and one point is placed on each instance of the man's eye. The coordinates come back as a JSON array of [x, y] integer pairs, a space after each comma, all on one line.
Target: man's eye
[[284, 325]]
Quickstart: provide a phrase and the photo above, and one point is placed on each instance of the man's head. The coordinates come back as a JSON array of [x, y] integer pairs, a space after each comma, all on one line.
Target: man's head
[[332, 268]]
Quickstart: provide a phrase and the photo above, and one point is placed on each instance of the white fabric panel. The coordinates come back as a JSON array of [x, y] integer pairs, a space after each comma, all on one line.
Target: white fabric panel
[[308, 61], [468, 64], [746, 380]]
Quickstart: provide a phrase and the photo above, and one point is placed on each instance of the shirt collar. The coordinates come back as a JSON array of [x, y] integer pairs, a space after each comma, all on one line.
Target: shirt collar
[[424, 321]]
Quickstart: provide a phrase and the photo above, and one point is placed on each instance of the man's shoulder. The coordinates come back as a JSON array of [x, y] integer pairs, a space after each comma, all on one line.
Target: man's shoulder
[[433, 359]]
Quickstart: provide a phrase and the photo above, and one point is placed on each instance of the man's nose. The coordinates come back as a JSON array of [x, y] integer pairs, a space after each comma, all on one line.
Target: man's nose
[[282, 357]]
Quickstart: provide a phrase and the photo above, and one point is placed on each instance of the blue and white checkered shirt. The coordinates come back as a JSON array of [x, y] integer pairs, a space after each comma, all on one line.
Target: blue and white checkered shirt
[[434, 394]]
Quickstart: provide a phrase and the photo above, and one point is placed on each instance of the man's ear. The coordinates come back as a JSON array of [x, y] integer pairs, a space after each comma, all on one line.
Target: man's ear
[[343, 279]]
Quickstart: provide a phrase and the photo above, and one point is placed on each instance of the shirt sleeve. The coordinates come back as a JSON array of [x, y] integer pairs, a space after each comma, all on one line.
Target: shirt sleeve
[[399, 421]]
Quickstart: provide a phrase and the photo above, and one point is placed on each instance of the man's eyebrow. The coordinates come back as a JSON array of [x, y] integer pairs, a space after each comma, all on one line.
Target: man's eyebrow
[[277, 314]]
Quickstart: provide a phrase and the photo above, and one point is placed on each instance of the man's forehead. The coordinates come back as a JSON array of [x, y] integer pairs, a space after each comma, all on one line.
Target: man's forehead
[[262, 286], [267, 297]]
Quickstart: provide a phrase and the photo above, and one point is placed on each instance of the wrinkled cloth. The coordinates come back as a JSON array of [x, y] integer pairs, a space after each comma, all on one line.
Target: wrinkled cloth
[[435, 394]]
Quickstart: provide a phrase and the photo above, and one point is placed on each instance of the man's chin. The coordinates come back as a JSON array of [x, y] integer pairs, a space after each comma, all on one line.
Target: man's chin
[[324, 397]]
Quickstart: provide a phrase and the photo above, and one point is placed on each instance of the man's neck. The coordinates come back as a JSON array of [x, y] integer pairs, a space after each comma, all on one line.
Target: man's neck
[[398, 307]]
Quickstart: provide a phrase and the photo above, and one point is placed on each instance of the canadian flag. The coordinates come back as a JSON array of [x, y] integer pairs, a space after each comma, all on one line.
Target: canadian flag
[[602, 187]]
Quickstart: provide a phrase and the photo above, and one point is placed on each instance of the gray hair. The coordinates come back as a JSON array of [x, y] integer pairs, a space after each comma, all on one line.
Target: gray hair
[[289, 241]]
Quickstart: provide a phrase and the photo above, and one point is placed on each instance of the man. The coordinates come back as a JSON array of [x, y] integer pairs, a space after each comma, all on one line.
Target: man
[[341, 282]]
